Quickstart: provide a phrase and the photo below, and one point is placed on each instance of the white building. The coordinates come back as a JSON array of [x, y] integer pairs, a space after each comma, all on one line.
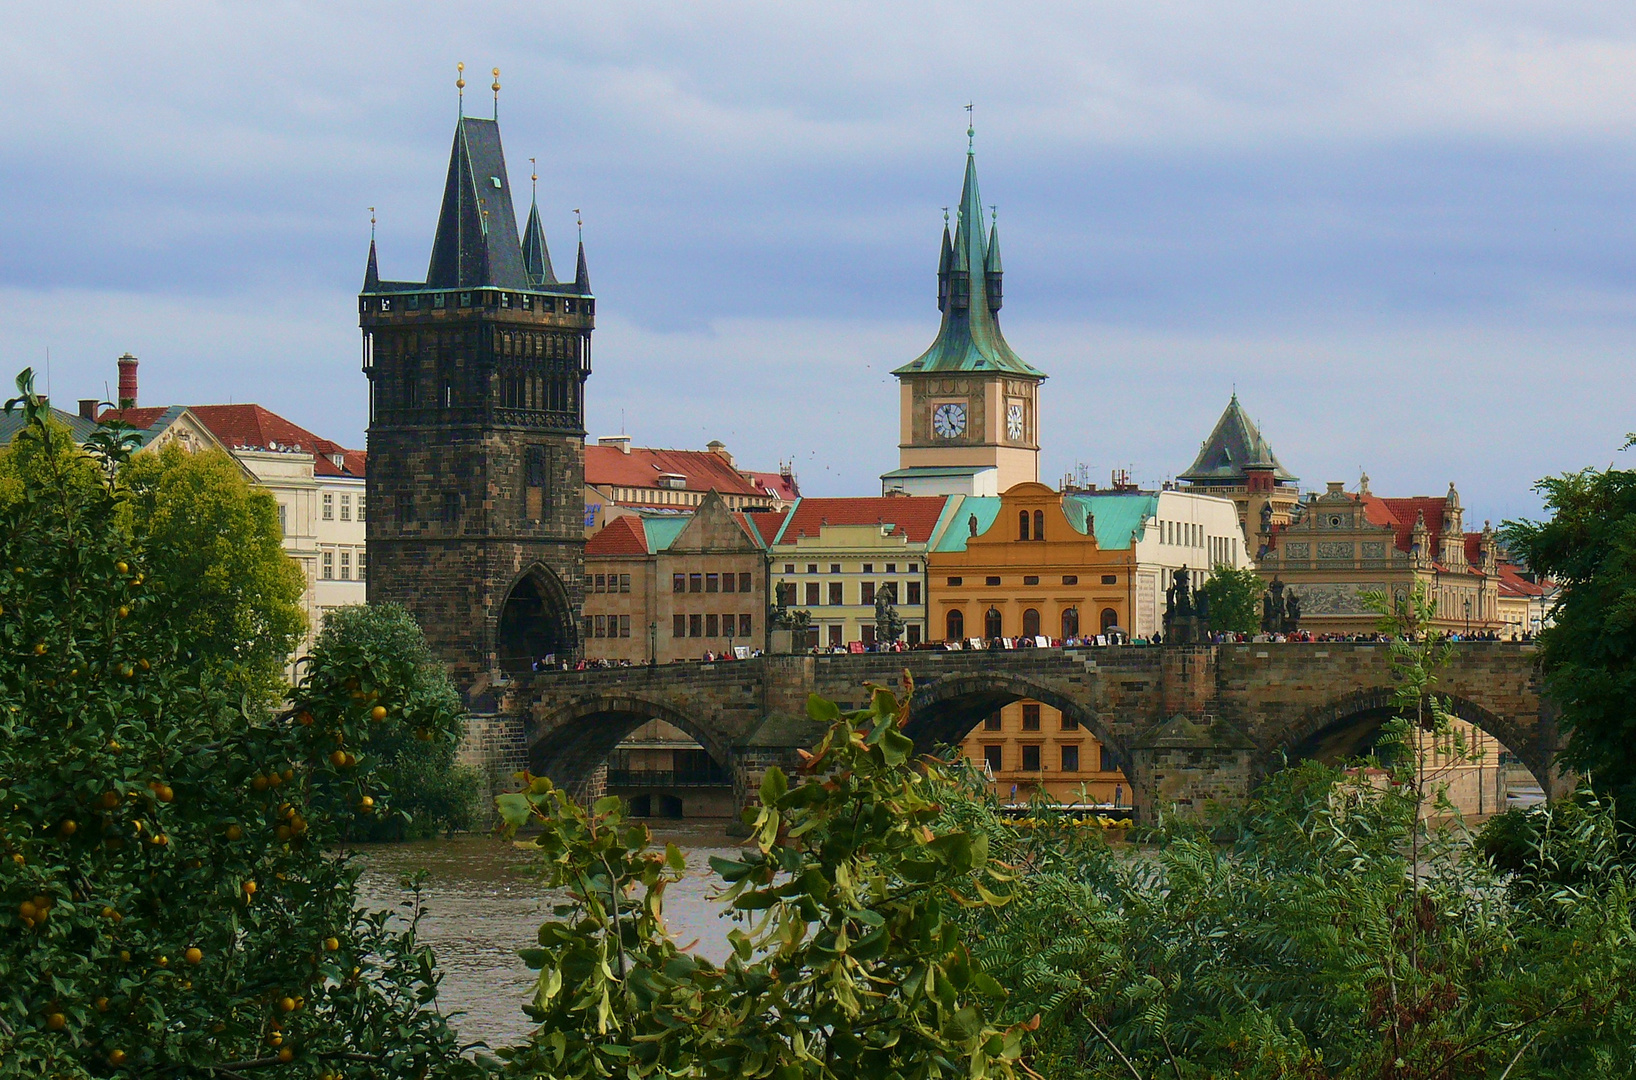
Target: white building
[[1184, 529]]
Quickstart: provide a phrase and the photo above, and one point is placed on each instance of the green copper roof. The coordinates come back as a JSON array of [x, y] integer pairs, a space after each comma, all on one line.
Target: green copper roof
[[1117, 516], [662, 532], [985, 508], [1235, 445], [969, 294]]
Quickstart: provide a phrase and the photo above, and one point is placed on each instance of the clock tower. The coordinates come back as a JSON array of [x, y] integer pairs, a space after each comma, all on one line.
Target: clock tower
[[970, 406]]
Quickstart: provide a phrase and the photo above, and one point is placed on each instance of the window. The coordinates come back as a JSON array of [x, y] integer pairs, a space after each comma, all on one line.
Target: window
[[1070, 758], [624, 582], [866, 592], [1069, 723], [868, 634], [678, 626], [1039, 524], [727, 626], [1031, 716], [328, 562], [789, 568], [955, 625], [744, 582], [1022, 524], [1031, 759], [992, 721], [712, 583], [363, 562], [1108, 764], [992, 758], [586, 632], [1110, 579], [678, 583], [812, 568], [956, 581], [869, 568], [913, 569], [1070, 622], [891, 568], [912, 633], [283, 520], [600, 627], [599, 583], [346, 565], [913, 593], [812, 594], [835, 568], [712, 628], [992, 627], [537, 477], [1070, 579], [1110, 619], [695, 626], [1031, 622], [329, 506], [835, 594], [695, 583], [624, 625], [745, 625], [346, 507], [1031, 579], [360, 508], [991, 581], [729, 582], [835, 636], [451, 507]]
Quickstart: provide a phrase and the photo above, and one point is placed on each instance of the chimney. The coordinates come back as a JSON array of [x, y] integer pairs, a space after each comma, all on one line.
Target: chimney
[[88, 408], [719, 448], [623, 442], [127, 381]]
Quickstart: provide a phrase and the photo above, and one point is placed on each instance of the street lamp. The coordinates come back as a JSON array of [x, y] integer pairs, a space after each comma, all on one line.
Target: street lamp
[[1467, 603], [653, 643]]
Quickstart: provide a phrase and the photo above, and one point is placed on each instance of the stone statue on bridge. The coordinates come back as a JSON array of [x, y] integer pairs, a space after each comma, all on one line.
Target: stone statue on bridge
[[1272, 607], [1184, 611]]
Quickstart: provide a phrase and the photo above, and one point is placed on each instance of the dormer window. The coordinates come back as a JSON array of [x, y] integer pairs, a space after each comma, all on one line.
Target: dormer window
[[495, 180], [386, 303]]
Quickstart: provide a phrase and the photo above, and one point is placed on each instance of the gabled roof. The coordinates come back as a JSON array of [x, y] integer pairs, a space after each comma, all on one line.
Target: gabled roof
[[1401, 514], [642, 467], [148, 422], [621, 536], [1512, 583], [969, 338], [11, 423], [766, 525], [778, 485], [913, 517], [476, 242], [985, 508], [251, 427], [661, 532], [1119, 516], [1235, 446]]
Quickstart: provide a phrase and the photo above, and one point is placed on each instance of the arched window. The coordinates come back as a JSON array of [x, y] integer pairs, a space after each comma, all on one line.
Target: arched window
[[954, 625], [1039, 524], [1031, 623], [1022, 524], [991, 624], [1070, 623], [1110, 619]]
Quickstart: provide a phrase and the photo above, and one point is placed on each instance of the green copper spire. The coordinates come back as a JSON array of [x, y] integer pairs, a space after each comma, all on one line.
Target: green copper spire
[[969, 338]]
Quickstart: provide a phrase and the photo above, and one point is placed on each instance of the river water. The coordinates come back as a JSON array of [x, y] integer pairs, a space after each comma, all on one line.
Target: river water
[[482, 903]]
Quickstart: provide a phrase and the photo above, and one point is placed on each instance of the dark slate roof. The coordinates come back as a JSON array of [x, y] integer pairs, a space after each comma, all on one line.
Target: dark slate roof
[[1234, 447], [476, 243], [969, 338], [11, 423], [536, 256]]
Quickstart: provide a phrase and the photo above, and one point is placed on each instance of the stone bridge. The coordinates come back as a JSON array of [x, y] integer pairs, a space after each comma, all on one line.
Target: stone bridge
[[1187, 723]]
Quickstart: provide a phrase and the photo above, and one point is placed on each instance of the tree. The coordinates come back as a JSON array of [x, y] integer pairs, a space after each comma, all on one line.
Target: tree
[[1235, 599], [221, 579], [171, 907], [853, 966], [1588, 547], [435, 793]]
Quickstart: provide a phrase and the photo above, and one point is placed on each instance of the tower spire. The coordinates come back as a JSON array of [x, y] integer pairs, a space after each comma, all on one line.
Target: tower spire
[[372, 274], [582, 275], [536, 256], [496, 95], [460, 87]]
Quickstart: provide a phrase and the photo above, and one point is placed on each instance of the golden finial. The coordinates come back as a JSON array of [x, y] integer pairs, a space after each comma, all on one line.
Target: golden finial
[[371, 224], [497, 95], [460, 76], [496, 80]]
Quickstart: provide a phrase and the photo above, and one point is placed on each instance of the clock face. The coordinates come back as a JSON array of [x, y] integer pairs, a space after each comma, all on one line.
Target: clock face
[[949, 420], [1014, 420]]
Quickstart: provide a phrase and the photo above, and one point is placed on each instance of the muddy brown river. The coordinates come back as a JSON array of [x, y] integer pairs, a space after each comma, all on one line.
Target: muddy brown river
[[482, 904]]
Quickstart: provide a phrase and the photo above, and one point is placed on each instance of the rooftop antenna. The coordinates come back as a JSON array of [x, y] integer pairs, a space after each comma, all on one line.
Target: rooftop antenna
[[460, 86], [971, 128], [496, 95]]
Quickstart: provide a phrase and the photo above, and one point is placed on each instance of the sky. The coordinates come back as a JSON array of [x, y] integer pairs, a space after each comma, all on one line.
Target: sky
[[1402, 232]]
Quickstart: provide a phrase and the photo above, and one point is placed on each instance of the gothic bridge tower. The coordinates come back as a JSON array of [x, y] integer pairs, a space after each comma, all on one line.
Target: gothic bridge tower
[[476, 427]]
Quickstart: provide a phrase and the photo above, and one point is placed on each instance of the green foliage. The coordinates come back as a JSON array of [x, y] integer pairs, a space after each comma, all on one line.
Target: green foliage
[[220, 579], [853, 965], [1588, 547], [434, 792], [1235, 600], [168, 906]]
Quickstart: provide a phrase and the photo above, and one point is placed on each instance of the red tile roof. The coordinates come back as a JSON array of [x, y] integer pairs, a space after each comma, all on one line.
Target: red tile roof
[[621, 536], [141, 419], [252, 427], [1512, 583], [1401, 515], [780, 485], [914, 516], [766, 524], [641, 468]]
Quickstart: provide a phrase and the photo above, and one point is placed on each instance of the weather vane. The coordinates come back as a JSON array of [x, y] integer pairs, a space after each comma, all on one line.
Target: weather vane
[[971, 126], [534, 176], [579, 223]]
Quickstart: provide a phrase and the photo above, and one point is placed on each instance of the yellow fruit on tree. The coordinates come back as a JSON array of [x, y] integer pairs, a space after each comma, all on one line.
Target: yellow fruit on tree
[[331, 944], [194, 955], [116, 1057], [234, 832], [122, 566], [338, 758], [366, 805], [378, 713], [287, 1004], [286, 1055], [56, 1021]]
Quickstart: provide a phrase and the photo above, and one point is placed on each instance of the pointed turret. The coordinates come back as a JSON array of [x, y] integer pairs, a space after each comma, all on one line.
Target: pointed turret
[[1234, 449], [536, 256], [944, 265], [582, 276], [476, 243], [992, 271], [372, 274]]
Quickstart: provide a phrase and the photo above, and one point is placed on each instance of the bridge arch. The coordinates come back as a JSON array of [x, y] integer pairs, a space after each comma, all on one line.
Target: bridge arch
[[568, 742], [943, 712], [1345, 726], [536, 620]]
